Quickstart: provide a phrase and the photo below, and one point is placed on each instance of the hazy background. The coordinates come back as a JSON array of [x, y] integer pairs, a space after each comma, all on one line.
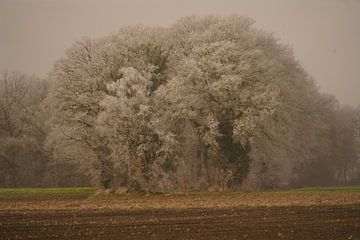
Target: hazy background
[[325, 34]]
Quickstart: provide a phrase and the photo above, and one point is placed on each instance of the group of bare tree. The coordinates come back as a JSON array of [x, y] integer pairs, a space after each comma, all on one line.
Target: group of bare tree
[[24, 160], [208, 103]]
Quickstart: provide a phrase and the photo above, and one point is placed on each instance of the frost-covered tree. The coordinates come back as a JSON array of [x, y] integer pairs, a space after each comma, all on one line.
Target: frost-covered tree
[[75, 98], [22, 130], [130, 120], [227, 85], [206, 102], [81, 81], [223, 101]]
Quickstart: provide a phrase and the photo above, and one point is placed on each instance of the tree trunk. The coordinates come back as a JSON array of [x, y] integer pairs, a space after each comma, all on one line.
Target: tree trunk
[[204, 159], [106, 167]]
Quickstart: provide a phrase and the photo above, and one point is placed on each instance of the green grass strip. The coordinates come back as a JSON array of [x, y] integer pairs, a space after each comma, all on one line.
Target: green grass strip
[[84, 191]]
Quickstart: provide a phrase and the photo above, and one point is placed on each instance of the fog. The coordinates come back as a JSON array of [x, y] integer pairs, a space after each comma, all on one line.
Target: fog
[[209, 103], [324, 34]]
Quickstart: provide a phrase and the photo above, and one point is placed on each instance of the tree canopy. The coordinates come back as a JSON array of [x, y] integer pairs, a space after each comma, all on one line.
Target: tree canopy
[[206, 103]]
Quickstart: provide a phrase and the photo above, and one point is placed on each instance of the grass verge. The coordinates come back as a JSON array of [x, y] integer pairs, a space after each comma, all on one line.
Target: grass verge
[[260, 194], [27, 199], [34, 192], [349, 189]]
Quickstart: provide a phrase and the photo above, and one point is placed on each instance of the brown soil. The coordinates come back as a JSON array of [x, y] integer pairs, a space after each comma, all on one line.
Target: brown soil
[[76, 218]]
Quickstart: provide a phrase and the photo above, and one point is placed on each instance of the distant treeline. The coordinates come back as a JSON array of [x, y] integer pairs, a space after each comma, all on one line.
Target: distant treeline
[[209, 103]]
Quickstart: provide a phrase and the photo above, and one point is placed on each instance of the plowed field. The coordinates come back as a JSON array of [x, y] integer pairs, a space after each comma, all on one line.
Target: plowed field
[[193, 218]]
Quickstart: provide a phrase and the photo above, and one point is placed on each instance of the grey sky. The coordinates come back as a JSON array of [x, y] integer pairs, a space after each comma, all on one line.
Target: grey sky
[[325, 34]]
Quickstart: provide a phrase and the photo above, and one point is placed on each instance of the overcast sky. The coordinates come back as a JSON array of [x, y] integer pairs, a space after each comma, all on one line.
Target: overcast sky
[[325, 34]]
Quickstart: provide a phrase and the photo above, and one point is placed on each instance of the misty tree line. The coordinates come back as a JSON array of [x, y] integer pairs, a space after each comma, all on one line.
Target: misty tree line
[[209, 103]]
